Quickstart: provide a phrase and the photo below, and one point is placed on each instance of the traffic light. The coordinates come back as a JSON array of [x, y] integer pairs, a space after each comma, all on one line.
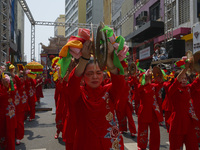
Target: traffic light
[[198, 8]]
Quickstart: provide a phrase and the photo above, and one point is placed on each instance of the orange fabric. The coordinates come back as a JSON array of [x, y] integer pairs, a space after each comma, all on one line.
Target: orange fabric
[[74, 43]]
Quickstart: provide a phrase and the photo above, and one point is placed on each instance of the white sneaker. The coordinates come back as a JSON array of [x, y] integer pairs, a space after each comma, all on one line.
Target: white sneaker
[[17, 141]]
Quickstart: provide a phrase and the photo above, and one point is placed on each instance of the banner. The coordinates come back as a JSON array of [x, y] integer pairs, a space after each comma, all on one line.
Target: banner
[[144, 53], [196, 38]]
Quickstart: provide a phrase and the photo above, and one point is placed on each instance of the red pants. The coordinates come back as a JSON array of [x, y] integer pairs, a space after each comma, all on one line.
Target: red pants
[[69, 146], [31, 102], [167, 115], [19, 132], [7, 132], [142, 139], [190, 140], [123, 122]]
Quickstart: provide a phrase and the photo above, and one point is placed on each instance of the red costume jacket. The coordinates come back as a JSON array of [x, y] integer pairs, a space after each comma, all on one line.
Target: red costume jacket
[[96, 126], [182, 107], [7, 119], [149, 103]]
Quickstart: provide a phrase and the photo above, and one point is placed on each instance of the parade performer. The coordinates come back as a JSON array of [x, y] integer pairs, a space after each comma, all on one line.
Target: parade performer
[[166, 105], [124, 107], [96, 127], [149, 114], [7, 114], [196, 101], [30, 84], [21, 103], [39, 93], [183, 116], [69, 123]]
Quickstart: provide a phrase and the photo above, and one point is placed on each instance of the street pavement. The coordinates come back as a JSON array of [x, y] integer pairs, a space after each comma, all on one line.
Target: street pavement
[[39, 134]]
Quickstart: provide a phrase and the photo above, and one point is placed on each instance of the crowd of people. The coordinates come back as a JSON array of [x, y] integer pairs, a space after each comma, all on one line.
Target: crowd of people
[[94, 106], [18, 96], [88, 99]]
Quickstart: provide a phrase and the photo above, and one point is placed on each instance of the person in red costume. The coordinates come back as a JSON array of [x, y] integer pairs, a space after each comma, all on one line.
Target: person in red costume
[[183, 115], [21, 103], [60, 108], [149, 114], [124, 107], [166, 105], [39, 93], [196, 101], [95, 104], [7, 114], [30, 84]]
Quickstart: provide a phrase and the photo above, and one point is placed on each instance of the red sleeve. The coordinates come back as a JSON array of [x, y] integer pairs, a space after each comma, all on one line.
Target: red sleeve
[[74, 87], [33, 82], [173, 87], [158, 86], [116, 87], [133, 81], [18, 82], [195, 85]]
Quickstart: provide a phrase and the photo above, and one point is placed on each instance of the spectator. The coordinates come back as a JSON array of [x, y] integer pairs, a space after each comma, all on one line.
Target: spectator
[[160, 53]]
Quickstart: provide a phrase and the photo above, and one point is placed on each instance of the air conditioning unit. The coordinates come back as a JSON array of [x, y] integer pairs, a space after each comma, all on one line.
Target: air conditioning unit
[[143, 14]]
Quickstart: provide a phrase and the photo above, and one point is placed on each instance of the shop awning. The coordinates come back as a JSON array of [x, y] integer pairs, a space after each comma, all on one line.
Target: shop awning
[[146, 31], [187, 37]]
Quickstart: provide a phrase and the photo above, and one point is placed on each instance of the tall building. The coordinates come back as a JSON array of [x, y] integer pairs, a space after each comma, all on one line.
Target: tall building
[[116, 15], [168, 23], [75, 12], [94, 11], [20, 32], [59, 30]]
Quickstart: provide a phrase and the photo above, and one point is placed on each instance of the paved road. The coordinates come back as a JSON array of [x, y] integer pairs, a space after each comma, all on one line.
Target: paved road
[[39, 134]]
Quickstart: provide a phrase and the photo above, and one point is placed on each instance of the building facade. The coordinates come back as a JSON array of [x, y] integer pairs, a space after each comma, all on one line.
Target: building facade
[[59, 30], [11, 32], [94, 11], [75, 12], [168, 23]]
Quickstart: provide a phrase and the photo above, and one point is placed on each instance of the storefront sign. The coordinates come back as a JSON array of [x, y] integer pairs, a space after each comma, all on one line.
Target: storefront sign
[[144, 53], [196, 38]]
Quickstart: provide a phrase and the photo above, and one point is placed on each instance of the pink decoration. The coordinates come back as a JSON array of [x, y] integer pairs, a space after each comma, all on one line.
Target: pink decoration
[[84, 33], [184, 58], [75, 52], [7, 78], [28, 71]]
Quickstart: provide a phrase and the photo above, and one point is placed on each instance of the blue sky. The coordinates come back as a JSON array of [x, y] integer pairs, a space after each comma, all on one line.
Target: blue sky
[[42, 10]]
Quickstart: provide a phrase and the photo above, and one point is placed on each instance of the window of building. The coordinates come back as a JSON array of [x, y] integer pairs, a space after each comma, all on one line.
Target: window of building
[[88, 4], [136, 1], [184, 11], [155, 11], [89, 15]]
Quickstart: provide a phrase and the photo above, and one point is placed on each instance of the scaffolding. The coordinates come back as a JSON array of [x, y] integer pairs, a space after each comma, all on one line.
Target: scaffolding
[[168, 20], [5, 28], [4, 31]]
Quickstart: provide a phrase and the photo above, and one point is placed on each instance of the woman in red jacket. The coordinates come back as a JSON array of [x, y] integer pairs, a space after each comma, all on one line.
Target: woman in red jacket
[[95, 104], [39, 93], [21, 103], [124, 107], [7, 115], [149, 114], [183, 115]]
